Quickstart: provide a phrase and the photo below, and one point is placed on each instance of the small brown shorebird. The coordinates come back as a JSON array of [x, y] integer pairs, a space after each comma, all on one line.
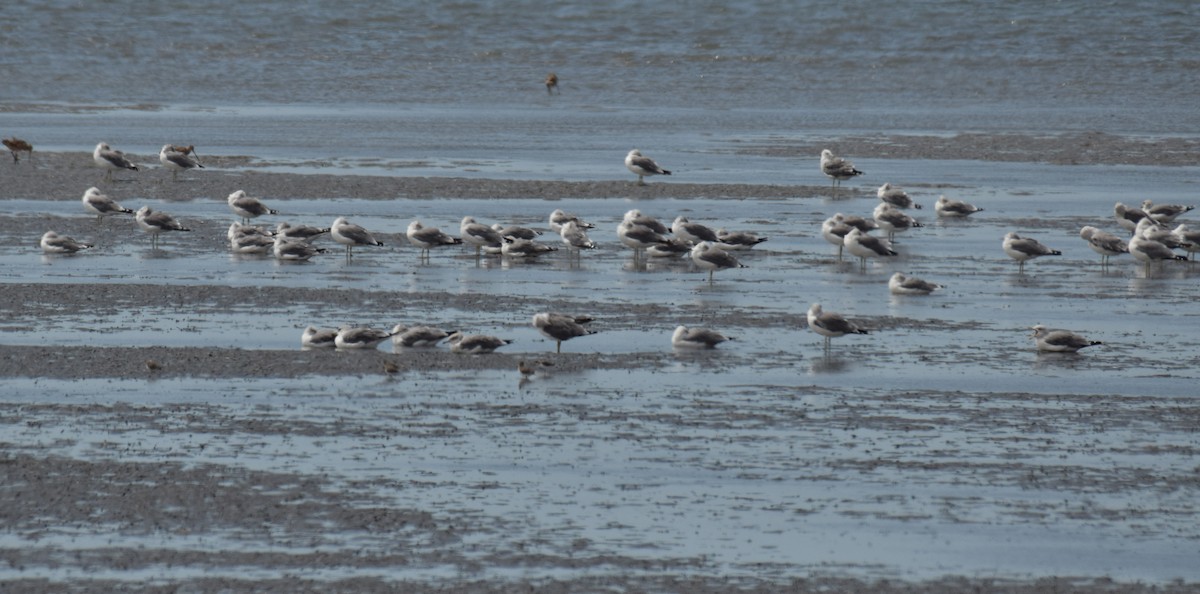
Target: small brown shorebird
[[16, 145], [552, 83]]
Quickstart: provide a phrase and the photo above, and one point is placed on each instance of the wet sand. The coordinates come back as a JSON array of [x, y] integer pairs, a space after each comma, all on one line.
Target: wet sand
[[103, 497]]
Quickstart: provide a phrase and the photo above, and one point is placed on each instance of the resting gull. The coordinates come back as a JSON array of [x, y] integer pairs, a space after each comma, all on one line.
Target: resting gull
[[475, 343], [479, 235], [417, 336], [696, 338], [711, 258], [289, 249], [1060, 341], [1024, 248], [1104, 243], [428, 238], [737, 240], [155, 222], [53, 243], [1164, 213], [867, 246], [314, 338], [837, 168], [896, 196], [642, 166], [357, 337], [950, 209], [111, 160], [350, 235], [560, 327], [102, 205], [682, 228], [829, 324], [299, 232], [559, 217], [892, 220], [247, 207], [1128, 216], [901, 284]]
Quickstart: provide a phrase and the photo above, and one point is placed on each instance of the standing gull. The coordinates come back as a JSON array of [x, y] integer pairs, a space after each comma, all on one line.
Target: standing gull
[[635, 217], [102, 205], [247, 207], [1148, 250], [835, 229], [639, 237], [693, 232], [642, 166], [176, 161], [155, 222], [867, 246], [475, 344], [900, 284], [696, 338], [837, 168], [558, 218], [16, 145], [1149, 229], [560, 327], [575, 239], [350, 235], [111, 160], [892, 220], [712, 258], [947, 208], [1128, 216], [479, 235], [896, 196], [1104, 243], [251, 243], [829, 324], [1190, 236], [1024, 248], [53, 243], [428, 238], [1059, 341]]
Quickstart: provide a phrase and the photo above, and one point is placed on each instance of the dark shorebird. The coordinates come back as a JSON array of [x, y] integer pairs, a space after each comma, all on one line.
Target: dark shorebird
[[16, 146], [642, 166], [552, 84]]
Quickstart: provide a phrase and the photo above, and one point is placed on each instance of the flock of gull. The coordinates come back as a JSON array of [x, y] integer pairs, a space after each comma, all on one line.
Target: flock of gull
[[1151, 240]]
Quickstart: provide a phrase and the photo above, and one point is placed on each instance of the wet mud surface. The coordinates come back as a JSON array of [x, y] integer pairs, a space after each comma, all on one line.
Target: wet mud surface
[[238, 462]]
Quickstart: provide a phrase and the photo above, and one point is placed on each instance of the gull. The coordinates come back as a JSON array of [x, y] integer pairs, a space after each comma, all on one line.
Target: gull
[[575, 238], [237, 229], [102, 205], [176, 161], [247, 207], [111, 160], [155, 222], [642, 166], [867, 246], [1164, 213], [1190, 236], [829, 324], [417, 336], [693, 232], [900, 284], [350, 235], [1104, 243], [475, 343], [479, 235], [1059, 341], [709, 257], [837, 168], [1148, 250], [558, 218], [517, 231], [53, 243], [559, 327], [514, 247], [289, 249], [639, 237], [696, 338], [428, 238], [737, 240], [674, 247], [1025, 248], [16, 145], [948, 208], [835, 228], [312, 338], [351, 337], [251, 243], [552, 84], [1128, 216], [1150, 229], [892, 220], [300, 232], [635, 217], [896, 196]]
